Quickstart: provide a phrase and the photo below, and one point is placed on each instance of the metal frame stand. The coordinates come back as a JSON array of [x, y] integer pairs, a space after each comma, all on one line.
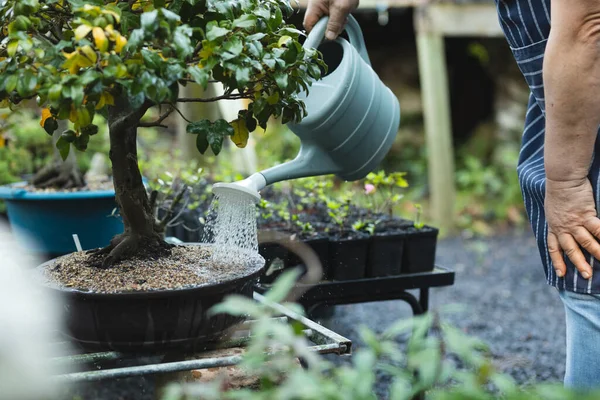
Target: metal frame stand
[[375, 289]]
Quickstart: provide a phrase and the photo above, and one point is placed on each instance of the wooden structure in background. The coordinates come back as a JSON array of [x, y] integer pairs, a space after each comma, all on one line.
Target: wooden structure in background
[[433, 21]]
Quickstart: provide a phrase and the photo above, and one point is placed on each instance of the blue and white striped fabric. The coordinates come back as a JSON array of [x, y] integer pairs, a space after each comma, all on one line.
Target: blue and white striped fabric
[[526, 25]]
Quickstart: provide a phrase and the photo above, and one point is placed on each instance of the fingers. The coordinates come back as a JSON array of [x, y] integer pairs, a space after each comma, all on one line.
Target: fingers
[[556, 255], [571, 249], [593, 226], [313, 14], [588, 242], [337, 18]]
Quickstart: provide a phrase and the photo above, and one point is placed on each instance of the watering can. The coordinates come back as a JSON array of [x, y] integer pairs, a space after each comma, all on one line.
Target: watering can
[[351, 122]]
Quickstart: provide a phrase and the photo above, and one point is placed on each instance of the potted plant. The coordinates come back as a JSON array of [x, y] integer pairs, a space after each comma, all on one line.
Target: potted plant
[[120, 59], [348, 247], [51, 200], [397, 245]]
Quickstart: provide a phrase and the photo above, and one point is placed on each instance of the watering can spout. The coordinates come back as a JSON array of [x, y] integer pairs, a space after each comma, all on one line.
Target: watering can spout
[[311, 161]]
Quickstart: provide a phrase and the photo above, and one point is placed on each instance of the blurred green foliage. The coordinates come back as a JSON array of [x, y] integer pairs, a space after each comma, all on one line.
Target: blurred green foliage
[[27, 147], [438, 361]]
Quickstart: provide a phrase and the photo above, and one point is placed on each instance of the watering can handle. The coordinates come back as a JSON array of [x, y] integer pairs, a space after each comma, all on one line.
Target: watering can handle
[[316, 36]]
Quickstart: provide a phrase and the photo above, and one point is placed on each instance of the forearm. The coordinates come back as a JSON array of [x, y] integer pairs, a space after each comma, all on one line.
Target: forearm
[[572, 89]]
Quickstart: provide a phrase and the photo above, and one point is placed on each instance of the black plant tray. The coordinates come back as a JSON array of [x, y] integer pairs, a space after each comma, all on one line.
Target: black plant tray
[[404, 251], [140, 321]]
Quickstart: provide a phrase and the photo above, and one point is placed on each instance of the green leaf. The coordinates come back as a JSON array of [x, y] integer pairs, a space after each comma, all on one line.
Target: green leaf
[[283, 285], [237, 305], [159, 3], [26, 85], [256, 37], [81, 142], [214, 31], [242, 76], [216, 142], [77, 94], [151, 59], [182, 42], [10, 83], [199, 75], [90, 130], [199, 127], [281, 78], [202, 143], [223, 128], [148, 20], [276, 21], [245, 21], [50, 125], [170, 15], [63, 147], [234, 46]]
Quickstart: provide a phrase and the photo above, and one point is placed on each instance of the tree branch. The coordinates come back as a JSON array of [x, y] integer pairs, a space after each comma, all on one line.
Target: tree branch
[[167, 217], [158, 122], [245, 95], [180, 113]]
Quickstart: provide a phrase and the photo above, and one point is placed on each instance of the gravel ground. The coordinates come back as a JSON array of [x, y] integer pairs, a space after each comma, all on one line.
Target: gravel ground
[[508, 304]]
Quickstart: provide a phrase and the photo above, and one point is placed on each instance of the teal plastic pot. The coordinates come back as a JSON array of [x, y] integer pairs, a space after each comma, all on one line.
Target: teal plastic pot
[[44, 223]]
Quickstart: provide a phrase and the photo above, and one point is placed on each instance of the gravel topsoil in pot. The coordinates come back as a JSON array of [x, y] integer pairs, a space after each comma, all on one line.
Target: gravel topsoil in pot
[[187, 266], [91, 185]]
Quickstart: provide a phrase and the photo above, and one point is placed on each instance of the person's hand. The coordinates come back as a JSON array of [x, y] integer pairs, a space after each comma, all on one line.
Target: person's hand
[[572, 222], [337, 10]]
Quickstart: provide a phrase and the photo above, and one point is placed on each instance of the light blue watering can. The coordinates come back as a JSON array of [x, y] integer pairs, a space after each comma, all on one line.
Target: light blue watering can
[[352, 118]]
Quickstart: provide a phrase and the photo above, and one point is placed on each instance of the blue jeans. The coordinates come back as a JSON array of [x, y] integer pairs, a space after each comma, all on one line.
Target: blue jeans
[[583, 340]]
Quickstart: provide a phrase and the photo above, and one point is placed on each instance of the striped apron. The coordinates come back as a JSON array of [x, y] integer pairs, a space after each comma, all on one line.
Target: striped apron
[[526, 25]]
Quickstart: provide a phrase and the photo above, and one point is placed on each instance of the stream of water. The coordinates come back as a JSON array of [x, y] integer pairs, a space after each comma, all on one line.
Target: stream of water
[[231, 226]]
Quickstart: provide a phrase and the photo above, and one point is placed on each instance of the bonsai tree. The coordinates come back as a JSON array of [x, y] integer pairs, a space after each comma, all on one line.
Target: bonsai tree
[[120, 58]]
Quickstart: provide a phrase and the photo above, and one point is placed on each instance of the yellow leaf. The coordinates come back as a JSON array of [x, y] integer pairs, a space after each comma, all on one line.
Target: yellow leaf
[[90, 57], [91, 9], [114, 14], [82, 31], [100, 39], [240, 132], [108, 98], [73, 115], [110, 31], [273, 99], [120, 42], [283, 40], [12, 47], [68, 56], [72, 62], [2, 141], [105, 99], [45, 115], [101, 102]]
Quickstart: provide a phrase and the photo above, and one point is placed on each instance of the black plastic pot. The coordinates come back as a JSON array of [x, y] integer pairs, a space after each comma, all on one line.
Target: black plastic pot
[[154, 320], [385, 255], [320, 245], [348, 258], [419, 250]]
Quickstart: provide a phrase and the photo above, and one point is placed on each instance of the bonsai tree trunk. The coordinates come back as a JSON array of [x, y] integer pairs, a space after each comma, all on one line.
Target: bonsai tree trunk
[[59, 174], [141, 237]]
